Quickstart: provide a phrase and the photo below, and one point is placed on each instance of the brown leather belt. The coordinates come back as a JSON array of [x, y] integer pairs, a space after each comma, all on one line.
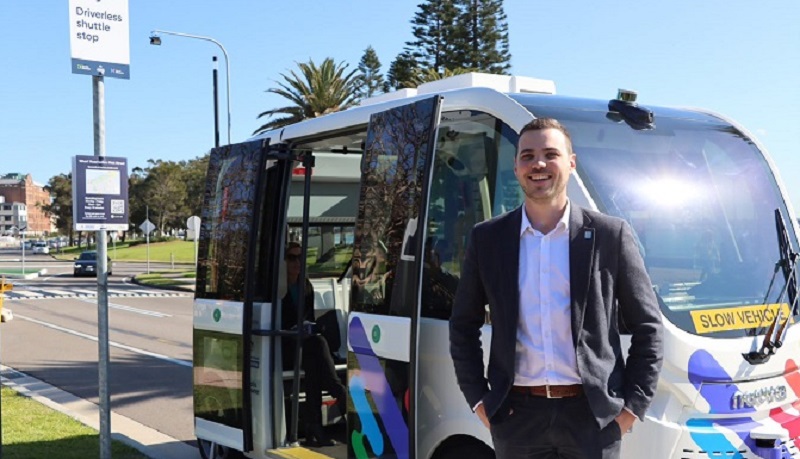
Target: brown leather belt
[[573, 390]]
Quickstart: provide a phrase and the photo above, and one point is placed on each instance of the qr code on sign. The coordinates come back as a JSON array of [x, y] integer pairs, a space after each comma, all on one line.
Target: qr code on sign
[[117, 206]]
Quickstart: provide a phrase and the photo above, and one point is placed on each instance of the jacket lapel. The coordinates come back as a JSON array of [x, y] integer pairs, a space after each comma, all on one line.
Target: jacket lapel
[[581, 257], [508, 254]]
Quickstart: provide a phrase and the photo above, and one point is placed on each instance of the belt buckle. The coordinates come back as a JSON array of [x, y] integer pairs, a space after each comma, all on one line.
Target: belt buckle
[[547, 388]]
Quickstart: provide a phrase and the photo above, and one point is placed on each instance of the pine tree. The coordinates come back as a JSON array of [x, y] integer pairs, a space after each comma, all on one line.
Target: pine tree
[[369, 79], [481, 39], [459, 34], [434, 29], [402, 72]]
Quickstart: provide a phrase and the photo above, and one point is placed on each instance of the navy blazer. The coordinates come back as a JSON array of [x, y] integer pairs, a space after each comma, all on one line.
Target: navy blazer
[[608, 282]]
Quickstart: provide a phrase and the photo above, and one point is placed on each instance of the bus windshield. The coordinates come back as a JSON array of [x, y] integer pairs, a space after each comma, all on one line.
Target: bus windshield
[[701, 200]]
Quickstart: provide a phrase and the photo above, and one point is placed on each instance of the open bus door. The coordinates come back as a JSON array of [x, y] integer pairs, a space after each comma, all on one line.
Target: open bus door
[[236, 280], [387, 269]]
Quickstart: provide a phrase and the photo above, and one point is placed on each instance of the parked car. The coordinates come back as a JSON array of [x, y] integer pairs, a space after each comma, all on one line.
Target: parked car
[[86, 264], [41, 247], [26, 245]]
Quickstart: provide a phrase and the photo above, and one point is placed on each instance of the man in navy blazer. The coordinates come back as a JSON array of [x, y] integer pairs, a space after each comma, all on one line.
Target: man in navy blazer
[[558, 281]]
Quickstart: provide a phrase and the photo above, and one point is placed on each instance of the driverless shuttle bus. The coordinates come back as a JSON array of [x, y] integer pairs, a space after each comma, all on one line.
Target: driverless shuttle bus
[[382, 198]]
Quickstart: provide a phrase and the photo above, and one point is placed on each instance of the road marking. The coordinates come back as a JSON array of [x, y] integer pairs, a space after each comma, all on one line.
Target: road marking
[[28, 294], [48, 294], [122, 307], [184, 363], [58, 292]]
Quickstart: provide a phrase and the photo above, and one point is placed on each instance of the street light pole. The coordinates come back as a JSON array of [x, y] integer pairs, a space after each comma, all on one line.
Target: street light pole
[[156, 40], [216, 103]]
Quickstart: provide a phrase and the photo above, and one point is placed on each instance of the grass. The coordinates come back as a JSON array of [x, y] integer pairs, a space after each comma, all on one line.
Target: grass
[[31, 429], [181, 251], [17, 270]]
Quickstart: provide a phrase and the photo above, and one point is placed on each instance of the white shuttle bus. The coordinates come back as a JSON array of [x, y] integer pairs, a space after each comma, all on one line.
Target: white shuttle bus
[[382, 198]]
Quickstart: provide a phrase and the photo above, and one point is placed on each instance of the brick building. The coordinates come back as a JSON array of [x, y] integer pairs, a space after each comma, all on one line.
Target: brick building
[[18, 188]]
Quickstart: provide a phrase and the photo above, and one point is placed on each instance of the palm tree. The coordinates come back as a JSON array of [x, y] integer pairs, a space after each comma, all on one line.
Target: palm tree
[[431, 74], [315, 92]]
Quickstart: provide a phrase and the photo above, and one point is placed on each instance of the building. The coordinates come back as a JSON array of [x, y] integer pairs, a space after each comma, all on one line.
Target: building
[[12, 217], [21, 189]]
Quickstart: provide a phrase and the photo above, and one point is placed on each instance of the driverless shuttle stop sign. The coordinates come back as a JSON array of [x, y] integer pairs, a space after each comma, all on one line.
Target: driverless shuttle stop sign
[[100, 37]]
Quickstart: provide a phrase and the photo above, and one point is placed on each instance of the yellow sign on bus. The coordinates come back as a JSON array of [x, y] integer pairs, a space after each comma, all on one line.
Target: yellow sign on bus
[[739, 318]]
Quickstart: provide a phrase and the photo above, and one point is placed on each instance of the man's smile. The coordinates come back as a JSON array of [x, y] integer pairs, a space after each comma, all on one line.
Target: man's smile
[[539, 177]]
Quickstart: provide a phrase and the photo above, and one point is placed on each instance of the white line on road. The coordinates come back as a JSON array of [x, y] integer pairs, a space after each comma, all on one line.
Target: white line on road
[[122, 307], [184, 363]]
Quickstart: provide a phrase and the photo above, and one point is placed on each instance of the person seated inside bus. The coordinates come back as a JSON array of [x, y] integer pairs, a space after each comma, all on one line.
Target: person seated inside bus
[[317, 361]]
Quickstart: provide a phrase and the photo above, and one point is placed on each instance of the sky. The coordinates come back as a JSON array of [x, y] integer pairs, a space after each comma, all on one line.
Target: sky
[[737, 58]]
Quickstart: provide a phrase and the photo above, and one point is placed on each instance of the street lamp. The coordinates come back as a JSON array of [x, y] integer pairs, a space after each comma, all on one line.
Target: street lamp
[[155, 39]]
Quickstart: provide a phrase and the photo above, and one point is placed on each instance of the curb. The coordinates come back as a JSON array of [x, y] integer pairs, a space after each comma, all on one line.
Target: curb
[[26, 276], [176, 288], [150, 442]]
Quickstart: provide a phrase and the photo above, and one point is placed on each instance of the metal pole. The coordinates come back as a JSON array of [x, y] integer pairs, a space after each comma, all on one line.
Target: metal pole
[[147, 236], [216, 103], [98, 93], [23, 251]]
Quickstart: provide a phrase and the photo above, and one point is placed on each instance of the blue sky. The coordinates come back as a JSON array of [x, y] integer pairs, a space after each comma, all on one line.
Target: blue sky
[[733, 57]]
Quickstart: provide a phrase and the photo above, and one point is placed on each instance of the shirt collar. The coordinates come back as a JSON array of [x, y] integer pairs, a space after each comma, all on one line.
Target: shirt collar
[[563, 222]]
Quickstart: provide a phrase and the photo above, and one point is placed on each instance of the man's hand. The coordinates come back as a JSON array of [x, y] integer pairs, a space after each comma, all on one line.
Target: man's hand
[[481, 412], [625, 421]]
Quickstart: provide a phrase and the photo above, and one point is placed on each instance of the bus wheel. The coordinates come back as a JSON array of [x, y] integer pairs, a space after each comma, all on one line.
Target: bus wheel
[[210, 450]]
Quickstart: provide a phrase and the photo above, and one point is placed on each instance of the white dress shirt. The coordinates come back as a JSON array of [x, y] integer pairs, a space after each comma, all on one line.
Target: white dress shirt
[[545, 354]]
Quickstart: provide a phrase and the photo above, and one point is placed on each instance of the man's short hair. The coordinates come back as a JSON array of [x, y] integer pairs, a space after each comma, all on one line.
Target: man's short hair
[[290, 246], [540, 124]]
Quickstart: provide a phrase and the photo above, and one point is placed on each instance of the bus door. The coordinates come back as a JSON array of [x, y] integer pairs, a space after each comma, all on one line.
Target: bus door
[[387, 269], [236, 273]]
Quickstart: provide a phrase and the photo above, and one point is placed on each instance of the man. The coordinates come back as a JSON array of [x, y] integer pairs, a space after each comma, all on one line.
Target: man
[[558, 280]]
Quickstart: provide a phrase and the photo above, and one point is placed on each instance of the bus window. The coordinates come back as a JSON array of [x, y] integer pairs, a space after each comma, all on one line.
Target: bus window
[[473, 180]]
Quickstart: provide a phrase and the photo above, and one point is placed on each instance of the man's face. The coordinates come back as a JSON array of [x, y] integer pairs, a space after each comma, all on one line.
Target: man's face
[[293, 262], [543, 165]]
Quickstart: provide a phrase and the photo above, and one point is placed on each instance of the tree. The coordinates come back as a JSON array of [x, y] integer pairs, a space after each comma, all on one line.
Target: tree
[[60, 207], [402, 72], [164, 192], [453, 35], [435, 30], [426, 76], [482, 39], [369, 80], [194, 175], [315, 92]]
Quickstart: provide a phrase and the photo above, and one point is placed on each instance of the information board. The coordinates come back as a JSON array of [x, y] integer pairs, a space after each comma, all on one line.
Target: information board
[[99, 193]]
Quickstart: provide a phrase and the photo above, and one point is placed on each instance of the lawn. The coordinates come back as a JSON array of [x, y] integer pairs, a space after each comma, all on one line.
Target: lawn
[[182, 251], [31, 429]]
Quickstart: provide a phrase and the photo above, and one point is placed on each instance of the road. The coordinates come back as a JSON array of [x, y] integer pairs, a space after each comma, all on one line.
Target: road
[[53, 338]]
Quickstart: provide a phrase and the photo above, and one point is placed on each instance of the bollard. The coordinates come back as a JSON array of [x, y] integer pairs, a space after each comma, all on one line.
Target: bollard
[[172, 260], [4, 287]]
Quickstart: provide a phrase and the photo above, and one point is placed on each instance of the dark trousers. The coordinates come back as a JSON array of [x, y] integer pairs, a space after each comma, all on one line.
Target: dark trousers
[[320, 375], [530, 427]]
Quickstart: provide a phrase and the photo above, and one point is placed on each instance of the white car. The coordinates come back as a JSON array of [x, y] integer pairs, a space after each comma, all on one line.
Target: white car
[[41, 247]]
